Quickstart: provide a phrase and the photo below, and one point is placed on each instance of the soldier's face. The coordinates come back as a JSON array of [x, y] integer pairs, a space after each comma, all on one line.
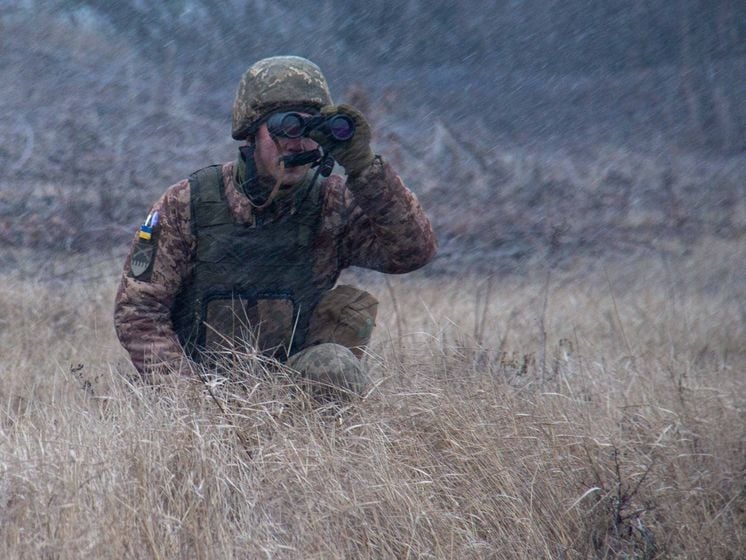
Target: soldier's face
[[267, 156]]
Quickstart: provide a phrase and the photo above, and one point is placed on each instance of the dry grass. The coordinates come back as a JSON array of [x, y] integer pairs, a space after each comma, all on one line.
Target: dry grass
[[594, 414]]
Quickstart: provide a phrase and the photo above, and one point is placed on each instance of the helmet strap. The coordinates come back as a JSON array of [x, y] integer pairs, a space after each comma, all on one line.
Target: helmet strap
[[324, 164], [247, 175], [251, 177]]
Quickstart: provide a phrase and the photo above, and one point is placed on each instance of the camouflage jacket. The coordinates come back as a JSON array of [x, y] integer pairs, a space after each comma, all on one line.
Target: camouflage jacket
[[372, 221]]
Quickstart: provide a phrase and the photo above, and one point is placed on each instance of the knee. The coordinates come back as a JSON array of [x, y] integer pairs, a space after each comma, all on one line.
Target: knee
[[345, 316], [331, 368]]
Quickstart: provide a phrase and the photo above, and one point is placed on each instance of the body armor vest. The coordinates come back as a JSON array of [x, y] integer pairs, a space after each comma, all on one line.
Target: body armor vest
[[249, 283]]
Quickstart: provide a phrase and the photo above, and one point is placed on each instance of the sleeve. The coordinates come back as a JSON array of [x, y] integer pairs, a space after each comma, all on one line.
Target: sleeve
[[386, 228], [142, 309]]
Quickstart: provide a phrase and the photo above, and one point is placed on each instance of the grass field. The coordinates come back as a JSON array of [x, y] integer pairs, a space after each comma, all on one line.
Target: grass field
[[593, 411]]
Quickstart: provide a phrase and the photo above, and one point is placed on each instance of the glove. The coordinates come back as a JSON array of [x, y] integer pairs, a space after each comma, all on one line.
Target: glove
[[354, 154]]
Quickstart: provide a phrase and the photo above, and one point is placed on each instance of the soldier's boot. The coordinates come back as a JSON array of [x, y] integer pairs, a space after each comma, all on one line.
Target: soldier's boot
[[331, 371], [346, 316]]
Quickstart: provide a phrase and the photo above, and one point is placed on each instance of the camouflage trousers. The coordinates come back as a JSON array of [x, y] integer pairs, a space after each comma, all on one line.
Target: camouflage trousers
[[344, 316], [339, 329]]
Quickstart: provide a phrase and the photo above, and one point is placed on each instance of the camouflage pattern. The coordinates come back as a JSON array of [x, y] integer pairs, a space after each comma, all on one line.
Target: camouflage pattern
[[346, 316], [331, 368], [371, 221], [272, 83]]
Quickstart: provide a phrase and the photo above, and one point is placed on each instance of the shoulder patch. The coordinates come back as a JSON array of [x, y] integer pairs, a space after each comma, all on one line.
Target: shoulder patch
[[144, 250], [142, 258]]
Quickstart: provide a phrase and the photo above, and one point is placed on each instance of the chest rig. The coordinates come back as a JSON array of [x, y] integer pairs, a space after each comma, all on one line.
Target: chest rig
[[248, 281]]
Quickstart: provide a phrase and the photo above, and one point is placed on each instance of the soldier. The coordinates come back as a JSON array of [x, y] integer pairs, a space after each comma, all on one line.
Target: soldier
[[248, 252]]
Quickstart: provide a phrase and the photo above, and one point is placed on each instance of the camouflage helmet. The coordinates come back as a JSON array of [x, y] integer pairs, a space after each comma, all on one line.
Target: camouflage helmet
[[277, 82], [331, 367]]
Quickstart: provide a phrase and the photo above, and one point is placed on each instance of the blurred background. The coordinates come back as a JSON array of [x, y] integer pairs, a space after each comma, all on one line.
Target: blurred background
[[528, 128]]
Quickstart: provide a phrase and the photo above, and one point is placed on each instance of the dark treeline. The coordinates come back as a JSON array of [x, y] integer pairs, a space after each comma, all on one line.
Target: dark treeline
[[545, 68], [572, 123], [560, 35]]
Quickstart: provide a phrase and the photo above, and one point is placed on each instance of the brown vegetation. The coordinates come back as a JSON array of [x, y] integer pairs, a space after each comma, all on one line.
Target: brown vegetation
[[594, 413], [110, 104], [574, 386]]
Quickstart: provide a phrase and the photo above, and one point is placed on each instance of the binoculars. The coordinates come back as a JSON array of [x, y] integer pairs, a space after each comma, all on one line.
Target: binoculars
[[294, 125]]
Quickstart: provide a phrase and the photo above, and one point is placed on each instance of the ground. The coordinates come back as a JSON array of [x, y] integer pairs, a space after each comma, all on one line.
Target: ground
[[587, 412]]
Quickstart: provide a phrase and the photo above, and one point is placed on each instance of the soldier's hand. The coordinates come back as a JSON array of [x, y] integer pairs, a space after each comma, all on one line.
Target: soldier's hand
[[354, 154]]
